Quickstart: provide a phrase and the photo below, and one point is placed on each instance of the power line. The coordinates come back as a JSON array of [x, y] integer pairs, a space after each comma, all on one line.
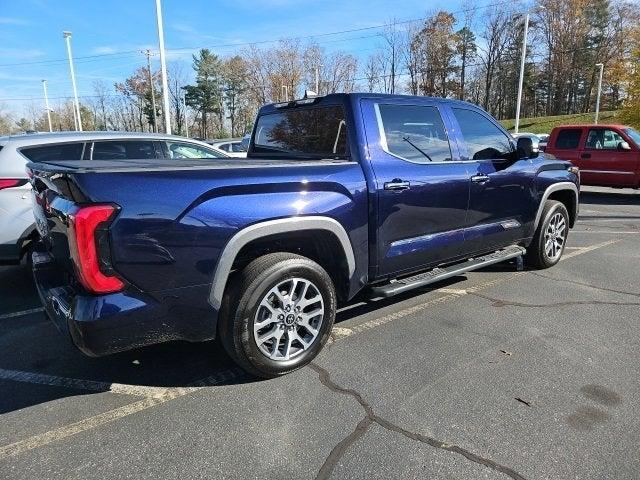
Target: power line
[[259, 42]]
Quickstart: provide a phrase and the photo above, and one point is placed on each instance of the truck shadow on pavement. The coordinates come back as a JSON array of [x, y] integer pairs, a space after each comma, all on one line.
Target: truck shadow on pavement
[[621, 197]]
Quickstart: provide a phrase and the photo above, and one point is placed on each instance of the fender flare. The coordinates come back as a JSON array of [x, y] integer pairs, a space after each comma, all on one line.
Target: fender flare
[[272, 227], [554, 188]]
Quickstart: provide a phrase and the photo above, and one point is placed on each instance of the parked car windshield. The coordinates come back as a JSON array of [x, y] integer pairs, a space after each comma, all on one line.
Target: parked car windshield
[[319, 132], [634, 134]]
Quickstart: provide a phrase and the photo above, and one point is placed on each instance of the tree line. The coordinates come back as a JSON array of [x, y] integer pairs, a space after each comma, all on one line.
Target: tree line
[[473, 54]]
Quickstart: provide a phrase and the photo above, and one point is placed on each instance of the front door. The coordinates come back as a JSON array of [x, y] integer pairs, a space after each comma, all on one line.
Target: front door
[[604, 162], [501, 199], [421, 187]]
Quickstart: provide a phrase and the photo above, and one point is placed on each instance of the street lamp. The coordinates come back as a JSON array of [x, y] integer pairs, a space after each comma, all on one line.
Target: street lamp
[[601, 67], [76, 113], [46, 103], [163, 70], [522, 62], [285, 89]]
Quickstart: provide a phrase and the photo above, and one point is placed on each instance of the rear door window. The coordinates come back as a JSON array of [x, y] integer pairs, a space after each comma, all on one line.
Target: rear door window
[[67, 151], [122, 150], [484, 140], [190, 150], [568, 139], [414, 132]]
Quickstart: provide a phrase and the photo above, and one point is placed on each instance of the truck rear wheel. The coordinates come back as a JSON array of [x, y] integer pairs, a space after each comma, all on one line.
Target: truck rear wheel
[[278, 314], [550, 237]]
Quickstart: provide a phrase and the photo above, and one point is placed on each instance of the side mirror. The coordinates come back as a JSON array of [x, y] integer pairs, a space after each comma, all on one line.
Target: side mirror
[[526, 148], [624, 146]]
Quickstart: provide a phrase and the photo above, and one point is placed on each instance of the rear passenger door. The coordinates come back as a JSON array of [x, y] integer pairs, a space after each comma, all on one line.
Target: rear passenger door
[[501, 198], [421, 187]]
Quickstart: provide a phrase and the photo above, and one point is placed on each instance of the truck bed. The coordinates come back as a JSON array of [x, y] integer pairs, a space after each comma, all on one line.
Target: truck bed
[[133, 165]]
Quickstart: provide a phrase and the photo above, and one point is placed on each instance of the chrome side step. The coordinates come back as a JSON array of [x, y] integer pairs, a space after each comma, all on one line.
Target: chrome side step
[[442, 273]]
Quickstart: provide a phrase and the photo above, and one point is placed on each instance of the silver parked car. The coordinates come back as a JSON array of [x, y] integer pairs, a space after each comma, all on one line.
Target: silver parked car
[[17, 229]]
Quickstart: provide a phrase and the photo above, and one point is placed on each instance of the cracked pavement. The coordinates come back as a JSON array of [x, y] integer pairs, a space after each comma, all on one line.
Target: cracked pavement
[[494, 375]]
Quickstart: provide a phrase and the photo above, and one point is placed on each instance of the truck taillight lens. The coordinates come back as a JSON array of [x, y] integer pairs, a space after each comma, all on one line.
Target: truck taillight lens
[[11, 182], [84, 226]]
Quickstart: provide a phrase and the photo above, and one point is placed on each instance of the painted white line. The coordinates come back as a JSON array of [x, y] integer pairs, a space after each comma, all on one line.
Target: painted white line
[[81, 384], [111, 415], [21, 313], [459, 291], [610, 232]]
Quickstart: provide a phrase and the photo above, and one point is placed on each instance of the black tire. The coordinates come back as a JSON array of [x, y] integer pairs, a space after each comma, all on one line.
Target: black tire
[[241, 303], [537, 256]]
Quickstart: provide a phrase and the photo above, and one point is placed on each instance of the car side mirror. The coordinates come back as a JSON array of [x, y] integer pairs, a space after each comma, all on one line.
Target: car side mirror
[[526, 148], [624, 146]]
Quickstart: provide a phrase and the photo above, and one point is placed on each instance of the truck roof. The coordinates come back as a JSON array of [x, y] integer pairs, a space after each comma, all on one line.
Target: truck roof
[[340, 98], [588, 125]]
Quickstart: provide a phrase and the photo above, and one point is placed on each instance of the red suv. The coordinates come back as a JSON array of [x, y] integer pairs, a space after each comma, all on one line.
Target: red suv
[[607, 155]]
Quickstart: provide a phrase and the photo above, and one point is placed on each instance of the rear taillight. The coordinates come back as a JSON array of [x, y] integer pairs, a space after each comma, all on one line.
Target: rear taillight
[[12, 182], [84, 229]]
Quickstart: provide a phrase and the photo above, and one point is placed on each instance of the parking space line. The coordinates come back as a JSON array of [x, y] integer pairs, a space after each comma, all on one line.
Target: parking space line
[[81, 384], [21, 313], [156, 398], [610, 232], [114, 414]]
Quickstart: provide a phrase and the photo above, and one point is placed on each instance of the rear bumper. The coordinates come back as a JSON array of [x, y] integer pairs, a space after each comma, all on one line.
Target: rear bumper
[[104, 324]]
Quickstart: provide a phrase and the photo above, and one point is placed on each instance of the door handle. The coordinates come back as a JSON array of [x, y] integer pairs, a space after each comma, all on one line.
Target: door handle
[[397, 185], [585, 155], [480, 178]]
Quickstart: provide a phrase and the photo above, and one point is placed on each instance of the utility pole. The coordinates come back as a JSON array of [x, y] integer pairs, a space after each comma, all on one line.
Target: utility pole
[[67, 36], [147, 52], [318, 79], [601, 67], [46, 104], [163, 68], [186, 118]]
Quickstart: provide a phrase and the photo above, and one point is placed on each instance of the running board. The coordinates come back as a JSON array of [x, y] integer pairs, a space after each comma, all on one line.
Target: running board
[[442, 273]]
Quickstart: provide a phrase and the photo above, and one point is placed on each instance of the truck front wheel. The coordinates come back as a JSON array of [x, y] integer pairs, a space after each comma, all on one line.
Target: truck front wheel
[[550, 237], [278, 314]]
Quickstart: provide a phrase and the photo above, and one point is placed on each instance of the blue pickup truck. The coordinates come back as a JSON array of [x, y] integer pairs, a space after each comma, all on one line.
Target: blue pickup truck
[[338, 194]]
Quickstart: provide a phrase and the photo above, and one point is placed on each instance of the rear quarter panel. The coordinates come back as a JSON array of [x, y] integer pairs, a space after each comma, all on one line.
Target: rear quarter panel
[[173, 225]]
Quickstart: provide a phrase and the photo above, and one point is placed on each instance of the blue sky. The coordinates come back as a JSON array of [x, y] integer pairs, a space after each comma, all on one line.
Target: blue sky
[[32, 47]]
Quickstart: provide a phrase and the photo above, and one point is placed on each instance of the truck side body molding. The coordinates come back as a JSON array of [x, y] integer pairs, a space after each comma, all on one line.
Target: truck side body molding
[[273, 227]]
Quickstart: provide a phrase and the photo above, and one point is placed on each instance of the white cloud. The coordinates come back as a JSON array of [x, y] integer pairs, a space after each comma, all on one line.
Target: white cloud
[[13, 21], [20, 53], [105, 49]]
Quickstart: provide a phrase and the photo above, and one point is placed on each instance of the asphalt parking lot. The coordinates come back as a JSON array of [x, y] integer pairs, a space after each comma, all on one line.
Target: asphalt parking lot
[[496, 374]]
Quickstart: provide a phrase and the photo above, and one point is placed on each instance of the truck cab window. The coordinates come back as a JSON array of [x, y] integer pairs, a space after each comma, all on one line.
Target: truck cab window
[[568, 139], [413, 132], [319, 132], [484, 140], [602, 139]]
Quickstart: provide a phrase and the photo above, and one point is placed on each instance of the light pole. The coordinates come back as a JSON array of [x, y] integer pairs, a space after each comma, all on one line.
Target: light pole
[[601, 67], [163, 69], [147, 52], [67, 37], [522, 64], [318, 79], [285, 89], [46, 104]]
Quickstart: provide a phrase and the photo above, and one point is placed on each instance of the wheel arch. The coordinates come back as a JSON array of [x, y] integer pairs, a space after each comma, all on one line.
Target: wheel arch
[[310, 235], [564, 192]]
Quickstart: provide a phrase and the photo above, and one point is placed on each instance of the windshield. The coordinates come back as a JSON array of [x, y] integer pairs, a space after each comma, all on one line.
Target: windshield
[[634, 134], [319, 132]]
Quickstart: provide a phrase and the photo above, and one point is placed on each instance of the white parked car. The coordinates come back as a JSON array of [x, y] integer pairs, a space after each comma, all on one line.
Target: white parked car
[[234, 147], [17, 229]]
